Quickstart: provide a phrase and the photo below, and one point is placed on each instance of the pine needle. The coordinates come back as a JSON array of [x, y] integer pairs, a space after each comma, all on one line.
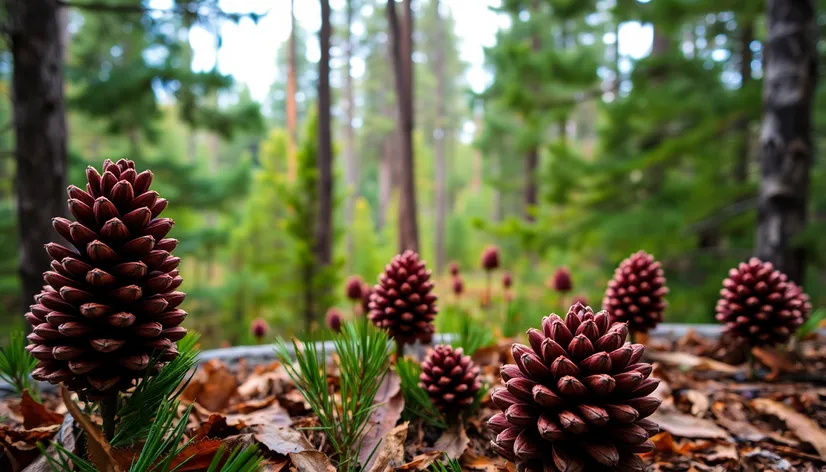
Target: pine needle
[[472, 335], [451, 465], [16, 366], [417, 402]]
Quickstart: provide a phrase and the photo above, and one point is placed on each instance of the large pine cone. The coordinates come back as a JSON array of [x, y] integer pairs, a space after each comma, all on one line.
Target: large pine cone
[[760, 304], [636, 293], [576, 399], [402, 303], [450, 378], [110, 305]]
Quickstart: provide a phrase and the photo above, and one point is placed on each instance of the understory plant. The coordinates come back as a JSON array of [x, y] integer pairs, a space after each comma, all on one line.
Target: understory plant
[[448, 465], [362, 362], [16, 366]]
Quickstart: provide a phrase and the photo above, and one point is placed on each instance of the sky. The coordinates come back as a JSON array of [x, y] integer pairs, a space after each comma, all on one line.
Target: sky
[[248, 50]]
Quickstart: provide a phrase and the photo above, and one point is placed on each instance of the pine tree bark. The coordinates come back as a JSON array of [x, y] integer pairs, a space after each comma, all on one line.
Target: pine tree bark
[[292, 108], [786, 148], [324, 226], [402, 44], [441, 136], [742, 166], [40, 132], [350, 164]]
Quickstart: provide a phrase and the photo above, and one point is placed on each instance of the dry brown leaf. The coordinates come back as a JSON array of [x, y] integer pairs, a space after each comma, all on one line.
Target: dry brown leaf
[[273, 414], [687, 426], [196, 455], [777, 361], [422, 461], [801, 425], [282, 440], [470, 460], [219, 387], [36, 414], [684, 359], [98, 448], [311, 461], [390, 403], [390, 453], [65, 436], [700, 402], [453, 441]]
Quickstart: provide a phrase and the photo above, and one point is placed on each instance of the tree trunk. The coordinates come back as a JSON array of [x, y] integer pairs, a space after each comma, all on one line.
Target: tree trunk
[[742, 167], [292, 86], [531, 164], [324, 226], [786, 149], [402, 44], [350, 164], [40, 132], [440, 136]]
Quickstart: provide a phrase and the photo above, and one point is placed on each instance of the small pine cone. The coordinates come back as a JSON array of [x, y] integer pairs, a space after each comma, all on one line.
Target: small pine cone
[[259, 328], [636, 293], [507, 280], [561, 281], [110, 303], [454, 268], [366, 294], [761, 305], [576, 399], [402, 302], [450, 378], [458, 286], [354, 288], [490, 258], [334, 319]]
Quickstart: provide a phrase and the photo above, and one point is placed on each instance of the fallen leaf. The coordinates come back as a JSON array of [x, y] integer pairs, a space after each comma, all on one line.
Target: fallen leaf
[[282, 440], [777, 361], [472, 461], [699, 402], [422, 461], [196, 455], [684, 359], [220, 386], [389, 403], [391, 451], [97, 447], [687, 426], [801, 425], [65, 436], [216, 427], [273, 414], [311, 461], [251, 405], [36, 414], [453, 441]]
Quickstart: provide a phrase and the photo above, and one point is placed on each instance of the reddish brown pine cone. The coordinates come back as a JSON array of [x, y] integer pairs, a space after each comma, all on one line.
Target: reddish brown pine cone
[[454, 268], [450, 378], [458, 286], [366, 295], [490, 258], [354, 288], [576, 399], [636, 293], [402, 302], [110, 303], [761, 305], [561, 281]]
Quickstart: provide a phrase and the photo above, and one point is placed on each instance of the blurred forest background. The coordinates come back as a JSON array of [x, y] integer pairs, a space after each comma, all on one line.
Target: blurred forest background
[[573, 154]]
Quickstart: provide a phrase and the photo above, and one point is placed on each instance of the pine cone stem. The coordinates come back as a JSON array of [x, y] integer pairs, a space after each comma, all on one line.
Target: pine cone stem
[[108, 410], [489, 290]]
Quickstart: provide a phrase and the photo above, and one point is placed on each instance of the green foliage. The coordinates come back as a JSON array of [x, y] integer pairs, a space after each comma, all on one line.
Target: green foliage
[[448, 465], [135, 416], [472, 334], [362, 361], [811, 325], [16, 365], [417, 402]]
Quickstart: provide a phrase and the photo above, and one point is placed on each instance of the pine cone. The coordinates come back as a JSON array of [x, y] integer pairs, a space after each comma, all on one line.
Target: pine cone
[[561, 281], [507, 280], [576, 399], [366, 295], [110, 304], [761, 305], [450, 378], [354, 288], [402, 303], [635, 294], [454, 268], [259, 328], [490, 258], [334, 319], [458, 286]]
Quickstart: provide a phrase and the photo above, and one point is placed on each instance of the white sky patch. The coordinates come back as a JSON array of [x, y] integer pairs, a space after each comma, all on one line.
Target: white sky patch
[[248, 51]]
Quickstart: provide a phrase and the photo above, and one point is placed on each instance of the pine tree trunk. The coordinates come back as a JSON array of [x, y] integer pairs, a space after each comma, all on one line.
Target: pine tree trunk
[[324, 226], [402, 44], [786, 149], [292, 86], [40, 132], [350, 164], [742, 166], [441, 136]]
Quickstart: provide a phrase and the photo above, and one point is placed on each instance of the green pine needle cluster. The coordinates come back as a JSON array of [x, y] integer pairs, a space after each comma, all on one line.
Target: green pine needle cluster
[[363, 361], [135, 416], [417, 402], [472, 335], [449, 465], [16, 365]]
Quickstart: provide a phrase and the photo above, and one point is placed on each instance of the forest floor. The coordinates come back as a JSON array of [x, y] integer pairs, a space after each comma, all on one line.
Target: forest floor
[[712, 418]]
